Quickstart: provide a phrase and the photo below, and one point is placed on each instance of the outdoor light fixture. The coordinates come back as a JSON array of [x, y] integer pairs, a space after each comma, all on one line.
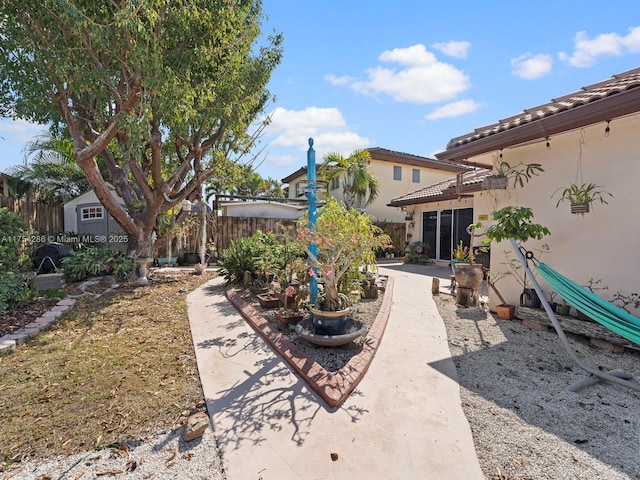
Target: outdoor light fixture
[[608, 129]]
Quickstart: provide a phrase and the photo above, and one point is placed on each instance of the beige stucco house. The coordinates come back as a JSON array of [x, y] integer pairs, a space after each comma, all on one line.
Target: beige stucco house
[[398, 173], [589, 136]]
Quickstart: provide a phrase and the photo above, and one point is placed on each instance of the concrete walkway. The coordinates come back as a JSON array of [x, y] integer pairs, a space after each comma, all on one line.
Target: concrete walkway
[[403, 421]]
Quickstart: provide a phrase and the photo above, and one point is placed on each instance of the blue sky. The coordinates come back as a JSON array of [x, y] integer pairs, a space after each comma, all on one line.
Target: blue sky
[[410, 75]]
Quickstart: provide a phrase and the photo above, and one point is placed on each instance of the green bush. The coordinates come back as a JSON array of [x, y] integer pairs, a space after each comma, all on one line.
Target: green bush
[[96, 261], [240, 257], [12, 240], [14, 289]]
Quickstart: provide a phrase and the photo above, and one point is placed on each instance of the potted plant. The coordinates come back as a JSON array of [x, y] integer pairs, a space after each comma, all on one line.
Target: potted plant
[[515, 224], [341, 241], [580, 197], [295, 300], [520, 174], [504, 310], [468, 274]]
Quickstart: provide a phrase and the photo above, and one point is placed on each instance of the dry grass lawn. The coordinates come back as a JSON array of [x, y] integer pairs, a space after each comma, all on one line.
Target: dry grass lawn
[[119, 367]]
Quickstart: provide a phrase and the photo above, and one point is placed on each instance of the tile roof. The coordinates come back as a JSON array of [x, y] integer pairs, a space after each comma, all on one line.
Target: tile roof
[[617, 96], [445, 190]]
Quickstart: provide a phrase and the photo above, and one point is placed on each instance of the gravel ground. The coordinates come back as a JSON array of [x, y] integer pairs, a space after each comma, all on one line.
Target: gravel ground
[[161, 457], [525, 424]]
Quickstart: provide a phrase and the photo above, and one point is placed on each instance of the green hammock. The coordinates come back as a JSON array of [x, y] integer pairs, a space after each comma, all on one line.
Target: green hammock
[[606, 314]]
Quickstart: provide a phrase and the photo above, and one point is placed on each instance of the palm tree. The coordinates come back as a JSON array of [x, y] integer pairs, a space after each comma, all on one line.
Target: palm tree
[[52, 173], [358, 181]]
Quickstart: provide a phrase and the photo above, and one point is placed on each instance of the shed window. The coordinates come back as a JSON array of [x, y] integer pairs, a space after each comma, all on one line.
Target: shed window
[[397, 173], [335, 183], [91, 213]]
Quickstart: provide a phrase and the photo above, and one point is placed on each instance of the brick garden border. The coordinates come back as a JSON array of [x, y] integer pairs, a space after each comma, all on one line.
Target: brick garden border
[[31, 330], [334, 388]]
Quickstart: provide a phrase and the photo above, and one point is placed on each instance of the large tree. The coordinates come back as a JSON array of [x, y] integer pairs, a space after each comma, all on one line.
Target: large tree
[[162, 90]]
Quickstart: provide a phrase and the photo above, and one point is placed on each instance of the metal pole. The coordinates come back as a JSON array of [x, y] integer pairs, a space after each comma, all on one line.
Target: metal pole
[[311, 211]]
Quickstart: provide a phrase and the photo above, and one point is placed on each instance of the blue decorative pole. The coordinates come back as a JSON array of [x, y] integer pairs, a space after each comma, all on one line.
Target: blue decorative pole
[[311, 211]]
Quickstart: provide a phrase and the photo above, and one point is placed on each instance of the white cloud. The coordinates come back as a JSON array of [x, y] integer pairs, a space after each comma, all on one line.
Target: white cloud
[[530, 66], [586, 50], [455, 109], [20, 131], [457, 49], [632, 40], [327, 127], [339, 81], [421, 78]]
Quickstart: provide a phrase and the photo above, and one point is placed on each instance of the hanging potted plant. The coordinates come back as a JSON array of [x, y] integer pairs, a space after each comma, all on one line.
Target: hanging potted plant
[[580, 197], [520, 174]]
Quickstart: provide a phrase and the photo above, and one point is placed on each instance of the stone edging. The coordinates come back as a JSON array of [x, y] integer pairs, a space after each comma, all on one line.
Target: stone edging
[[334, 388], [31, 330]]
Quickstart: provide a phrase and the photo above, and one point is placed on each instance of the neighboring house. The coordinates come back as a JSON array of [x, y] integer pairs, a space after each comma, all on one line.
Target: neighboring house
[[86, 215], [397, 172], [589, 136]]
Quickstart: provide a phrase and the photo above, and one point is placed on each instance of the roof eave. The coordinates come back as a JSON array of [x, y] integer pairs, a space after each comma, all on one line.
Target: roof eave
[[618, 105]]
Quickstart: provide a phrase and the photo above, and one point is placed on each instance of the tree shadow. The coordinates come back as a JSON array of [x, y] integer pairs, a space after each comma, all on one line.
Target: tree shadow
[[527, 375], [267, 399], [268, 395]]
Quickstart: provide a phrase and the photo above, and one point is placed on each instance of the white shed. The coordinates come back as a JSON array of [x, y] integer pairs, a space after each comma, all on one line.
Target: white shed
[[86, 215]]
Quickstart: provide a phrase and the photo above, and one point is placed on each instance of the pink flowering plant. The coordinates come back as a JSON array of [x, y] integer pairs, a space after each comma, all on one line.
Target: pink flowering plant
[[346, 241]]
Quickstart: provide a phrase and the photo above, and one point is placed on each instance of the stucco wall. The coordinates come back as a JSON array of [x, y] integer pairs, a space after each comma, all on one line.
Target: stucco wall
[[390, 188], [601, 245]]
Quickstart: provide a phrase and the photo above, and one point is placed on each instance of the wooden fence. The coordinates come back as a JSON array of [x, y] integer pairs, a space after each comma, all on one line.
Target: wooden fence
[[231, 228], [42, 218]]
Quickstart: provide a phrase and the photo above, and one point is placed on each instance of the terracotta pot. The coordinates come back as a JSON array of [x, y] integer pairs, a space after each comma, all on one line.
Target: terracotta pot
[[506, 312], [267, 301], [289, 320], [469, 275]]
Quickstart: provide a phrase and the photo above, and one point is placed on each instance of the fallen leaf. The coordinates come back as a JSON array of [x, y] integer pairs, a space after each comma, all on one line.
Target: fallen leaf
[[12, 474], [172, 455], [109, 472]]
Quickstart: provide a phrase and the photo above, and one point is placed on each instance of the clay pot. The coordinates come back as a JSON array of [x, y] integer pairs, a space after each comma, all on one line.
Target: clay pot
[[506, 312], [469, 275]]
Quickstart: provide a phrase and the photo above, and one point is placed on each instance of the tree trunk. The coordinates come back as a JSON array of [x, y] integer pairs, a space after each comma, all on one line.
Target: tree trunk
[[203, 231]]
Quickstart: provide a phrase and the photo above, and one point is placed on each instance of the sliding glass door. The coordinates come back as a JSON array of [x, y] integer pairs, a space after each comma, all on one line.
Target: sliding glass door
[[444, 229]]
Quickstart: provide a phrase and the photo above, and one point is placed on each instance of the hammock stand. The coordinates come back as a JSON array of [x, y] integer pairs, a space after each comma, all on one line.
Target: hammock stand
[[609, 312]]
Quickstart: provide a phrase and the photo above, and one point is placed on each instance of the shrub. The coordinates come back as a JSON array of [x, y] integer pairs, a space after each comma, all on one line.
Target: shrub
[[12, 232], [14, 289], [96, 261], [240, 257]]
